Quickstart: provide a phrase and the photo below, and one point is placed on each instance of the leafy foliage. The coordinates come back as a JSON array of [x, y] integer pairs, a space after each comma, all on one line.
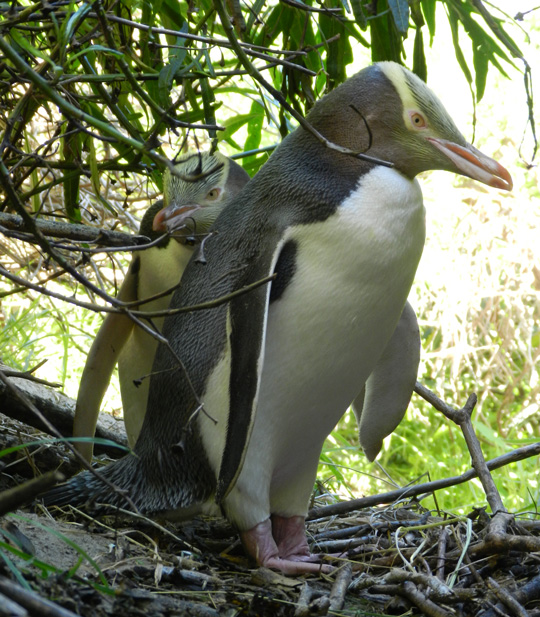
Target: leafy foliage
[[114, 81]]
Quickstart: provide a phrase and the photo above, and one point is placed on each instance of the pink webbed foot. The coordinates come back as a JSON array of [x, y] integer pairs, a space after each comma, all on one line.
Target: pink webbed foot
[[280, 543]]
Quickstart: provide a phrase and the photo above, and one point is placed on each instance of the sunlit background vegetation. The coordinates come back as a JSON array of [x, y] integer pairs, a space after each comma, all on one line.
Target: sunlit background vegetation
[[476, 292]]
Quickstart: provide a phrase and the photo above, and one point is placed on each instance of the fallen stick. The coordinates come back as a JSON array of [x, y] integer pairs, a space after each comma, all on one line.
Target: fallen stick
[[344, 507]]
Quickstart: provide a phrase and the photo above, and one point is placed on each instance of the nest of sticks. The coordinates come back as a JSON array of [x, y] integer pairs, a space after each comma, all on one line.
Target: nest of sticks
[[391, 556]]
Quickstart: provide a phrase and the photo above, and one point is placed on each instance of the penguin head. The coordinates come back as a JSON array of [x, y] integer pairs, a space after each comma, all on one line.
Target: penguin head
[[389, 113], [195, 192]]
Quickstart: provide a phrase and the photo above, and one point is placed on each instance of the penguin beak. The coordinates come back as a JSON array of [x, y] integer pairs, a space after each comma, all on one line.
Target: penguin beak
[[174, 217], [474, 164]]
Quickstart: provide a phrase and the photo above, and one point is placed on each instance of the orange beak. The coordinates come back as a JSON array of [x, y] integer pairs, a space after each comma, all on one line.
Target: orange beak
[[173, 218], [474, 164]]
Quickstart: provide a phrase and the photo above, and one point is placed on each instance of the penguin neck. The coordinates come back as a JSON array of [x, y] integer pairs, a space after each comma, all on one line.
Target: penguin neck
[[313, 174]]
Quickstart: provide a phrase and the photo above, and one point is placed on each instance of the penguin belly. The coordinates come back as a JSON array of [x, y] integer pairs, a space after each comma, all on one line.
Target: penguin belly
[[324, 334], [160, 269]]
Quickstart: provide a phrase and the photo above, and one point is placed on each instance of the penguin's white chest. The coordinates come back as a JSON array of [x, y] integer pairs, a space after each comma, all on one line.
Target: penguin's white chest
[[161, 269], [324, 335]]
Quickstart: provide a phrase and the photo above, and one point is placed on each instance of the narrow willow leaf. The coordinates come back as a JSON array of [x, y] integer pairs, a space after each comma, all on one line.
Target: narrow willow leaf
[[339, 52], [479, 37], [232, 125], [91, 48], [208, 100], [428, 9], [71, 153], [252, 164], [96, 111], [255, 14], [209, 65], [172, 14], [69, 25], [454, 25], [167, 74], [34, 178], [254, 127], [481, 63], [400, 13], [274, 25], [95, 176], [152, 54], [359, 15], [385, 40], [419, 57], [25, 44]]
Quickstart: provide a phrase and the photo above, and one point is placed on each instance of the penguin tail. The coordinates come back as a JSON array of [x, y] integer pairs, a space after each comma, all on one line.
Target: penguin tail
[[73, 492], [150, 485], [108, 486]]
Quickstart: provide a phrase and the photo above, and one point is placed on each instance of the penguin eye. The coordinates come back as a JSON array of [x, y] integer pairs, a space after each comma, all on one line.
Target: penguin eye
[[417, 120], [213, 194]]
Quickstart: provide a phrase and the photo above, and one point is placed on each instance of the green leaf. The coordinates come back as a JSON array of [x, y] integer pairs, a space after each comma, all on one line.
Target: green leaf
[[419, 58], [454, 25], [252, 164], [484, 47], [71, 151], [95, 177], [359, 15], [428, 9], [171, 14], [339, 51], [169, 71], [254, 127], [232, 125], [274, 25], [208, 100], [385, 40], [25, 44], [91, 48], [255, 14], [481, 63], [69, 25], [400, 13]]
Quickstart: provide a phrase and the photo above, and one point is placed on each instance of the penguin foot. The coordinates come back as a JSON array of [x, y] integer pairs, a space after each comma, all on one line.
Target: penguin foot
[[280, 543]]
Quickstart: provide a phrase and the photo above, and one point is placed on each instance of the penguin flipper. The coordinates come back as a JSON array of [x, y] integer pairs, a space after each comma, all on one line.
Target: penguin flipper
[[381, 405], [100, 363], [248, 319]]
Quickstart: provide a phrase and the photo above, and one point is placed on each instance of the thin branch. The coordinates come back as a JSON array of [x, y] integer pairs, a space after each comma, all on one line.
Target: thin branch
[[135, 315], [78, 233], [13, 498], [30, 377], [463, 418], [344, 507]]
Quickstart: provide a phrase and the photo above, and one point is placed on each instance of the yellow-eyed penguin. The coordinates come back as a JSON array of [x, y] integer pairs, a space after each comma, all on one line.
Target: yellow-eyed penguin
[[239, 425], [192, 201]]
